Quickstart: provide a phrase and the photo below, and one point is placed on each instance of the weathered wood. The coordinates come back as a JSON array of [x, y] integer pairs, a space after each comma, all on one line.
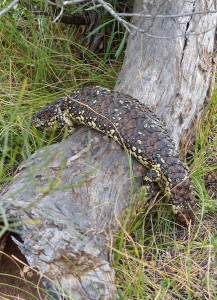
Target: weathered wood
[[76, 192], [79, 189], [174, 76]]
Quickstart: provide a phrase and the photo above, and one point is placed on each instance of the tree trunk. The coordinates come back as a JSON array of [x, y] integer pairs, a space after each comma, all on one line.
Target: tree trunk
[[78, 190], [70, 198], [174, 72]]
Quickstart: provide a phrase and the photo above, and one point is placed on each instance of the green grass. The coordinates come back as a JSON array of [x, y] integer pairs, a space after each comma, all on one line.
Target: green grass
[[153, 257], [37, 65]]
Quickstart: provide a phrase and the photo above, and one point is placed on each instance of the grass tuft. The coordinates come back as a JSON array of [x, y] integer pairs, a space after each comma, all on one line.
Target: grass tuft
[[39, 62]]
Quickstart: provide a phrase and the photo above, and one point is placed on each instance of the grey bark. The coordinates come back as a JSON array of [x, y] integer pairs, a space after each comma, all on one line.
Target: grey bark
[[77, 191], [173, 76]]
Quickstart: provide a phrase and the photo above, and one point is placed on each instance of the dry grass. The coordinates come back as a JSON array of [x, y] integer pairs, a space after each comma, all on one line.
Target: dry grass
[[153, 257], [157, 259]]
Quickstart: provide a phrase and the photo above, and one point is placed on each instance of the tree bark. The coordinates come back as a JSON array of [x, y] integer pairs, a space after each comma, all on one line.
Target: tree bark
[[78, 190], [70, 198], [175, 75]]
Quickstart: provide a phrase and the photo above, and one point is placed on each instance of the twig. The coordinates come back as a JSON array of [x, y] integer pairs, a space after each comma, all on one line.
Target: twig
[[167, 16], [6, 9], [128, 25], [66, 19], [53, 3], [59, 14], [172, 36], [114, 14], [72, 2]]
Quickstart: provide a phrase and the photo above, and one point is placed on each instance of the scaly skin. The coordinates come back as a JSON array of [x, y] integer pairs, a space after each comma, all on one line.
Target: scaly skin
[[133, 126]]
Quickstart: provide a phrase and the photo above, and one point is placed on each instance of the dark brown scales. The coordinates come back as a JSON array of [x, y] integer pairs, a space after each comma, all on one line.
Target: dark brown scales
[[134, 127]]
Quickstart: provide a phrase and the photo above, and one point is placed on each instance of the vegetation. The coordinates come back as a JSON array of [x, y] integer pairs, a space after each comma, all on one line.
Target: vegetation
[[153, 257], [156, 259]]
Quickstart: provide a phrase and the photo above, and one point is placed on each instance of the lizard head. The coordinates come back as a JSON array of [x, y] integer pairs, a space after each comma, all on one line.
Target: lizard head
[[46, 118]]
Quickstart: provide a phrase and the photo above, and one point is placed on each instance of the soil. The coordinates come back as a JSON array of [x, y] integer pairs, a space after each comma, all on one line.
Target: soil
[[17, 281]]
